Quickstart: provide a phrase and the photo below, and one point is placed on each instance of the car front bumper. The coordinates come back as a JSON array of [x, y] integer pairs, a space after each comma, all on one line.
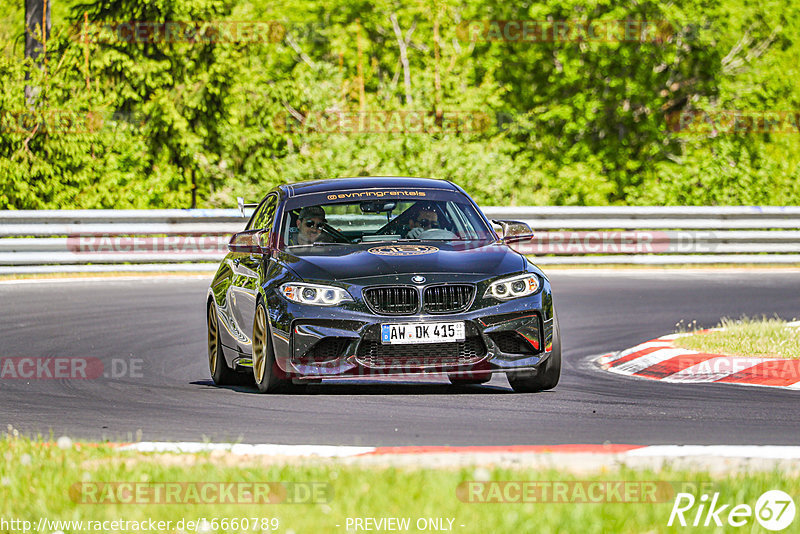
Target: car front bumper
[[313, 342]]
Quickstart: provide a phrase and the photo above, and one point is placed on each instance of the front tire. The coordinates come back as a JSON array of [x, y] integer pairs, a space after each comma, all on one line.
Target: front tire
[[265, 369], [221, 374], [548, 374]]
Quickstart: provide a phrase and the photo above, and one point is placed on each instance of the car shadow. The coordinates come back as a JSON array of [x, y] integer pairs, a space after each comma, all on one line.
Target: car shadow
[[367, 387]]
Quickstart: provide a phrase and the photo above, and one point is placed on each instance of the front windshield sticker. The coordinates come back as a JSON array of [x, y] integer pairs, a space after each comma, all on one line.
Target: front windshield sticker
[[376, 194], [403, 250]]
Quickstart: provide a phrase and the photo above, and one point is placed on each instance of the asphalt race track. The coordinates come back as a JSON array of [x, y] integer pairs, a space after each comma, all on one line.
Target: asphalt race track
[[162, 323]]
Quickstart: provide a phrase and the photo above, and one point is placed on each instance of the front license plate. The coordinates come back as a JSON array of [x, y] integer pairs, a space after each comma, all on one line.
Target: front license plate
[[393, 334]]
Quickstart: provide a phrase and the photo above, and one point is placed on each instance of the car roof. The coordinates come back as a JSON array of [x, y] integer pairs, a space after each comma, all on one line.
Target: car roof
[[344, 184]]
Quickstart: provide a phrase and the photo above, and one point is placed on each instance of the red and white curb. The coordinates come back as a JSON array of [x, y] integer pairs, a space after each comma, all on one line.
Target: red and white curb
[[660, 359], [341, 451], [778, 452]]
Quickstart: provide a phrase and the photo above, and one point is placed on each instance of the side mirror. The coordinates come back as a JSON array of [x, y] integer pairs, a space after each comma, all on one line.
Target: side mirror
[[251, 241], [514, 230]]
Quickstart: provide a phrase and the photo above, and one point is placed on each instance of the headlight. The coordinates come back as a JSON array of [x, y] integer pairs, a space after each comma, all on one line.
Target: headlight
[[315, 294], [514, 287]]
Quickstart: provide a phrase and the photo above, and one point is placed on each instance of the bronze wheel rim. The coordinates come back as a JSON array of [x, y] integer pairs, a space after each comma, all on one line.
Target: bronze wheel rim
[[213, 339], [260, 345]]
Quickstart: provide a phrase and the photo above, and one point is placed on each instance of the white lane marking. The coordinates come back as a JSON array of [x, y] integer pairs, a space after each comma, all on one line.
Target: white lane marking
[[607, 358], [776, 452], [634, 366], [666, 272], [726, 451], [241, 449], [106, 279], [637, 348], [670, 337], [714, 369]]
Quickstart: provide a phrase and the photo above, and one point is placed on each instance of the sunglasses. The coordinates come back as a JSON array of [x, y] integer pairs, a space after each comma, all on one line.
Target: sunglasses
[[312, 224], [427, 223]]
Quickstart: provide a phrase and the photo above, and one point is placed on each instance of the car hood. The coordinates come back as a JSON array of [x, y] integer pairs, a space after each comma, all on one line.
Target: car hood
[[349, 263]]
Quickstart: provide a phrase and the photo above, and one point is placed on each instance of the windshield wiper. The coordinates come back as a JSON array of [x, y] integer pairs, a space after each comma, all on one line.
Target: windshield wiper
[[416, 239], [320, 244]]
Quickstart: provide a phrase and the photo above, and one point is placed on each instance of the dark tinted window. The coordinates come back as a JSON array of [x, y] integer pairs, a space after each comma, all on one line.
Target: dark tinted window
[[265, 215], [425, 216]]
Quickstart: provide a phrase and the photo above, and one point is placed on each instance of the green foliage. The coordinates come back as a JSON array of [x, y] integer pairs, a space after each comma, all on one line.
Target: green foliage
[[760, 337], [79, 482], [564, 123]]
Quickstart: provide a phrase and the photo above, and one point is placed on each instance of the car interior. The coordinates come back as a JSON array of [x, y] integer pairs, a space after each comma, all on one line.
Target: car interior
[[359, 222]]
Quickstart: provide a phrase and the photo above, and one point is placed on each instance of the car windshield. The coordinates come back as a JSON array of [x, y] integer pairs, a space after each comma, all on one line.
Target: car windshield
[[439, 216]]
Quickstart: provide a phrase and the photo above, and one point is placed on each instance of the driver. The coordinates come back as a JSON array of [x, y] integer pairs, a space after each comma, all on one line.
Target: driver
[[425, 219], [310, 223]]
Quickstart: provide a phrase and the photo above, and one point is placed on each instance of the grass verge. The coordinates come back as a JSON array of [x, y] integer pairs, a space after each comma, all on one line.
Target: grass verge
[[60, 483], [764, 337]]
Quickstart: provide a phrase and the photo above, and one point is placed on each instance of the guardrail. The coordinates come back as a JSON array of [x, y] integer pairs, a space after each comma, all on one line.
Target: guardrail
[[195, 240]]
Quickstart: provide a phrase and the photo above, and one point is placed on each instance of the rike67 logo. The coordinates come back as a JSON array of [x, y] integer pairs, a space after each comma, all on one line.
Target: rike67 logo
[[774, 510]]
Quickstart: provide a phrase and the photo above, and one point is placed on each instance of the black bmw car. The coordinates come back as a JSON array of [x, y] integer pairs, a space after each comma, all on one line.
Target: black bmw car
[[365, 277]]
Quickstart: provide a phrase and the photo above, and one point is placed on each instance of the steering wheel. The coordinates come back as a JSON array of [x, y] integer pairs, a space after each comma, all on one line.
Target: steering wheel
[[437, 233]]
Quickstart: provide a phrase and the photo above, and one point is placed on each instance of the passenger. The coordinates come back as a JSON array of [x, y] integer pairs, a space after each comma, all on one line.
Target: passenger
[[310, 223]]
